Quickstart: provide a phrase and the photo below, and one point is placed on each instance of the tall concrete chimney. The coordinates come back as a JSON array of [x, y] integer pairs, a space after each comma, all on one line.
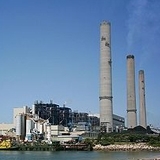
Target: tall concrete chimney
[[142, 103], [131, 95], [105, 97]]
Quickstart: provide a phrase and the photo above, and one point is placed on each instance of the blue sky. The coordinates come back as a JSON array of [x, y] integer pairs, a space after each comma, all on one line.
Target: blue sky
[[49, 50]]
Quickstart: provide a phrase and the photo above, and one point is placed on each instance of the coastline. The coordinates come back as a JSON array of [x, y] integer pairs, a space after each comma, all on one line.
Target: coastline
[[126, 147]]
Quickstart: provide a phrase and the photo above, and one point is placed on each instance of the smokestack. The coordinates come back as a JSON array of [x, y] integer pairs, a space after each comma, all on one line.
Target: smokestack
[[142, 103], [131, 95], [105, 98]]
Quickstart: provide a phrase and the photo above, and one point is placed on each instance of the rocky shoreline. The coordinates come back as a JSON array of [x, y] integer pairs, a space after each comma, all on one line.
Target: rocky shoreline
[[127, 147]]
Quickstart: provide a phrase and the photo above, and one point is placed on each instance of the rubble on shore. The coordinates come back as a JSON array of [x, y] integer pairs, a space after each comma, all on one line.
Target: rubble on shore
[[126, 147]]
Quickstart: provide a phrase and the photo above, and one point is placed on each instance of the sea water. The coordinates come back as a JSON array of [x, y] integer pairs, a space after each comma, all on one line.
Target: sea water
[[77, 155]]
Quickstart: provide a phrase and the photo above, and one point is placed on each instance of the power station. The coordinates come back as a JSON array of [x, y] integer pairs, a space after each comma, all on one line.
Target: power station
[[46, 118], [131, 93], [105, 97], [142, 102]]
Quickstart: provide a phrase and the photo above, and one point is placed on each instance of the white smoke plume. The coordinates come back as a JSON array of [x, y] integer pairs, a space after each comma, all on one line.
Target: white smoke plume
[[144, 28]]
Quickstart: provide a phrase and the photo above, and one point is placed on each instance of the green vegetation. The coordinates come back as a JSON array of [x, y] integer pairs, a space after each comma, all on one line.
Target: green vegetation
[[154, 141], [127, 137], [130, 136]]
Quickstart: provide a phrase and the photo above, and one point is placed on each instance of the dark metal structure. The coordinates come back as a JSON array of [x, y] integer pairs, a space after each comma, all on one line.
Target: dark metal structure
[[54, 113]]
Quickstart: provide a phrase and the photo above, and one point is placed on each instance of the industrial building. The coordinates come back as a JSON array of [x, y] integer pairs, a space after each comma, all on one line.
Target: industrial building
[[5, 128], [118, 123], [79, 117], [55, 114], [31, 126]]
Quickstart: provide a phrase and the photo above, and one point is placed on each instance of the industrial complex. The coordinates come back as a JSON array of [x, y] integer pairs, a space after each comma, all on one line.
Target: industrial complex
[[50, 121]]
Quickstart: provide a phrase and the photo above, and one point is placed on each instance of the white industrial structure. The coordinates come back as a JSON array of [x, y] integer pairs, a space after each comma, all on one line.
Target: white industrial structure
[[48, 132], [142, 102], [20, 126], [105, 97], [131, 94]]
